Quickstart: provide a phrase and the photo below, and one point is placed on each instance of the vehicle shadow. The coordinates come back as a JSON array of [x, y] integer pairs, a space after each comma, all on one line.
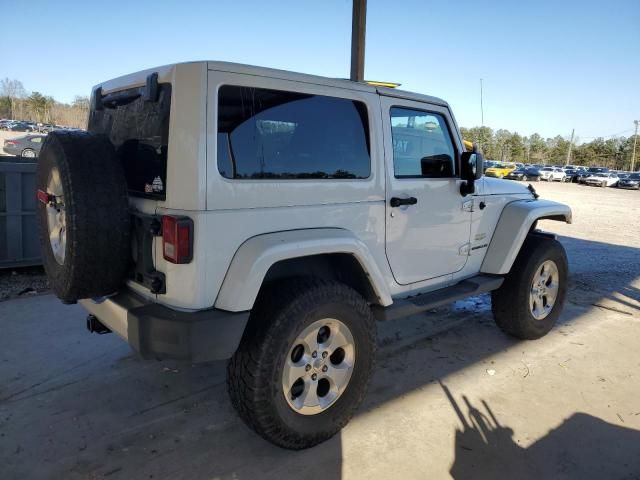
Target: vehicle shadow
[[581, 447], [83, 406]]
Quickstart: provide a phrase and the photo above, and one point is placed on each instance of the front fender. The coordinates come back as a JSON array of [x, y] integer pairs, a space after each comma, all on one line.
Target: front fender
[[255, 256], [513, 226]]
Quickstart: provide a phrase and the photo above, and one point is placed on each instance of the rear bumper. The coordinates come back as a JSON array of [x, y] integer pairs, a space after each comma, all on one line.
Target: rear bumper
[[156, 331], [11, 151]]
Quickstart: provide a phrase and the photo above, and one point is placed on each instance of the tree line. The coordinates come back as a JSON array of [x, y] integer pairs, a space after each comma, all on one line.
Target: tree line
[[17, 104], [503, 145]]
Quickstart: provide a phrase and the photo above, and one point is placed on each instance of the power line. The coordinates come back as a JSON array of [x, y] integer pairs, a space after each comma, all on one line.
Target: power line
[[609, 136]]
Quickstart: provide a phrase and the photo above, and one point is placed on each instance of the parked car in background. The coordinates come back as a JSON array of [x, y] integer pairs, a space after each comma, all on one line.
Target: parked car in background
[[552, 174], [524, 174], [45, 127], [500, 170], [591, 171], [19, 127], [27, 147], [632, 181], [602, 179], [489, 164], [571, 174]]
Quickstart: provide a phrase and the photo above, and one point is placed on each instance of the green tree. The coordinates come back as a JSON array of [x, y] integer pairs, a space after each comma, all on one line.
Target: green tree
[[39, 105], [502, 139], [516, 148]]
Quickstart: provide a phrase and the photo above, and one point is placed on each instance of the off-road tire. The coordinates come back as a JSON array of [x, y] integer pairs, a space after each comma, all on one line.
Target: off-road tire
[[254, 372], [510, 303], [98, 244]]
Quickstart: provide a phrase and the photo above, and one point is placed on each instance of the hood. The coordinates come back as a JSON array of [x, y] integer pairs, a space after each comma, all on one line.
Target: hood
[[496, 186]]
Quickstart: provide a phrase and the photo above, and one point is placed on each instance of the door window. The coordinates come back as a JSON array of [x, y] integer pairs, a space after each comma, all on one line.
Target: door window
[[422, 146]]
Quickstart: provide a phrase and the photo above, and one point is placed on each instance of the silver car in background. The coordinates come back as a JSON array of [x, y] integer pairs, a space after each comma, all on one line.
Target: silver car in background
[[27, 147]]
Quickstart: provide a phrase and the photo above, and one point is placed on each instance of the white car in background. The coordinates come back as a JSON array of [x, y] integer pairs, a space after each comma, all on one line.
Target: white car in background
[[552, 174], [602, 179]]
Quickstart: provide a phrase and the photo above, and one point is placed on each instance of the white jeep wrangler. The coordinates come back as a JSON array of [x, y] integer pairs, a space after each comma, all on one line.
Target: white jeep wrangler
[[220, 211]]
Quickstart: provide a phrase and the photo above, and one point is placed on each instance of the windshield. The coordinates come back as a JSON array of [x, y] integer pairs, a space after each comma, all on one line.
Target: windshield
[[634, 176], [599, 175], [548, 169]]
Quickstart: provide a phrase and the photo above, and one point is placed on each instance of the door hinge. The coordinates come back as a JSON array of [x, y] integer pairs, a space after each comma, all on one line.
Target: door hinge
[[464, 250], [467, 206]]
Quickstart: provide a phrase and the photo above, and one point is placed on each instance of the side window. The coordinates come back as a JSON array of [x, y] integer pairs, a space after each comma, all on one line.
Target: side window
[[272, 134], [422, 146], [36, 139]]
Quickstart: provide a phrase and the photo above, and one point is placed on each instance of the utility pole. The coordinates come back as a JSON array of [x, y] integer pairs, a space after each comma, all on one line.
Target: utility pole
[[635, 141], [481, 106], [358, 33], [570, 147]]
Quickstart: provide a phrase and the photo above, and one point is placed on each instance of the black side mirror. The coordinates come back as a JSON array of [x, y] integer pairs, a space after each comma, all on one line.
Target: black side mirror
[[472, 168]]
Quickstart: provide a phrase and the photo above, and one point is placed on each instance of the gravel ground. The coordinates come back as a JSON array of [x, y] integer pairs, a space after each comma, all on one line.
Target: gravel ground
[[22, 281], [451, 396]]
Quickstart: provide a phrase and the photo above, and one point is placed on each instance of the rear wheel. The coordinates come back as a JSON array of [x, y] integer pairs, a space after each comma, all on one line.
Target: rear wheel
[[524, 178], [304, 363], [28, 153], [531, 298]]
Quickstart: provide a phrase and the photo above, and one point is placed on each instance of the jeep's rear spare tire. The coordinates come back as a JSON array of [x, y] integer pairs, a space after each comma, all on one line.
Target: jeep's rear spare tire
[[83, 215]]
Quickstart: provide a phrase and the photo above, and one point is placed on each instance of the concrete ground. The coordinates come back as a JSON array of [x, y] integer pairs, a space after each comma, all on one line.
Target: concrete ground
[[467, 402]]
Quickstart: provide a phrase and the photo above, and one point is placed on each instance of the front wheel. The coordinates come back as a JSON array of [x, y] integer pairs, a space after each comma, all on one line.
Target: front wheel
[[530, 300], [304, 363]]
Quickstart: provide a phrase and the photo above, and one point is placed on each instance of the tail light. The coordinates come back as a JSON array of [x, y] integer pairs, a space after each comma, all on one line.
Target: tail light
[[177, 239]]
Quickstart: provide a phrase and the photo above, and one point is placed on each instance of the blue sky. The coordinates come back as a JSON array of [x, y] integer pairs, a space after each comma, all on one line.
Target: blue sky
[[548, 66]]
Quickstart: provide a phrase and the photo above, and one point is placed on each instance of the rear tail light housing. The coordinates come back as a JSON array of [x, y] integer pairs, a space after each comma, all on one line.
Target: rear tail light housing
[[177, 239]]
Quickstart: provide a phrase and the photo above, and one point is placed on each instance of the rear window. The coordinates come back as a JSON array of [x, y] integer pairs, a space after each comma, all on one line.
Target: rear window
[[139, 130], [273, 134]]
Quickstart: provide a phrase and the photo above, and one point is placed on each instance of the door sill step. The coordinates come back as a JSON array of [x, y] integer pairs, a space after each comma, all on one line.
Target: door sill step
[[427, 301]]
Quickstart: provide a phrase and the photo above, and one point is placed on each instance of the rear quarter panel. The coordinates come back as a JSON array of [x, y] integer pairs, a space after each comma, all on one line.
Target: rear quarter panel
[[237, 210]]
